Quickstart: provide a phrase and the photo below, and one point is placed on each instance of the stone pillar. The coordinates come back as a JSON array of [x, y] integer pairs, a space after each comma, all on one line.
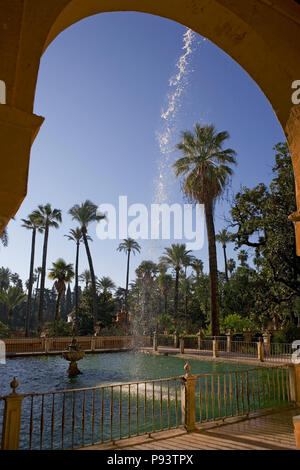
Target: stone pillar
[[296, 421], [267, 343], [199, 339], [48, 345], [181, 345], [93, 343], [215, 348], [176, 339], [155, 347], [188, 399], [247, 336], [260, 350], [12, 419], [228, 341], [292, 132], [17, 133]]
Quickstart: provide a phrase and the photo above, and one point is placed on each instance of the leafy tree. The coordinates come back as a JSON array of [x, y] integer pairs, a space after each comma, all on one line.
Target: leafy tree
[[62, 273], [85, 214], [128, 246], [205, 167]]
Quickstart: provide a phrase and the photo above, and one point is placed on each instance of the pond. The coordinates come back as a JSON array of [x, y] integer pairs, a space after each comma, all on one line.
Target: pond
[[44, 374], [77, 418]]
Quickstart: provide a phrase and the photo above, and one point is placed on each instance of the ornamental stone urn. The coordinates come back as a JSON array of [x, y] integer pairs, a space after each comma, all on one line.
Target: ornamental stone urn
[[73, 354]]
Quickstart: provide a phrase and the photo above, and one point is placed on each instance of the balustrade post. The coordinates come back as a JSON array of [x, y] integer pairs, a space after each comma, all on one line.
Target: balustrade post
[[175, 339], [12, 419], [155, 346], [296, 421], [188, 399], [199, 339], [93, 343], [215, 348], [181, 345], [267, 343], [260, 350], [228, 341]]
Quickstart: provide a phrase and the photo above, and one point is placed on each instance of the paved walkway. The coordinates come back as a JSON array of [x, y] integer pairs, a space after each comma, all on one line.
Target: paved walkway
[[262, 432]]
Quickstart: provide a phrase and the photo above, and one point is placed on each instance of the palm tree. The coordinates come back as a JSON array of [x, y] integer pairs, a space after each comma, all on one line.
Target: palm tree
[[85, 214], [224, 237], [5, 278], [231, 265], [205, 166], [106, 284], [32, 223], [85, 277], [197, 266], [128, 246], [12, 298], [165, 284], [61, 273], [175, 257], [75, 235], [49, 218]]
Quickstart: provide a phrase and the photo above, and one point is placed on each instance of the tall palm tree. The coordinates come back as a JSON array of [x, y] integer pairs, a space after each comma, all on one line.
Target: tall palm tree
[[175, 257], [85, 277], [106, 284], [75, 235], [197, 266], [128, 246], [33, 222], [224, 237], [13, 297], [205, 167], [85, 214], [49, 218], [61, 273], [165, 284]]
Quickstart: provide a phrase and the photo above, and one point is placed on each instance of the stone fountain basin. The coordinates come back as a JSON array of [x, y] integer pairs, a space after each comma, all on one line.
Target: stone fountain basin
[[73, 356]]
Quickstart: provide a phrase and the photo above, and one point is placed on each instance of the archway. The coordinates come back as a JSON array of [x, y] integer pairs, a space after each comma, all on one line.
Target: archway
[[247, 31]]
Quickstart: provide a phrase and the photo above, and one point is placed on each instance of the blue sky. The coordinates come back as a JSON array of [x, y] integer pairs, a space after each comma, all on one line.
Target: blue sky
[[102, 86]]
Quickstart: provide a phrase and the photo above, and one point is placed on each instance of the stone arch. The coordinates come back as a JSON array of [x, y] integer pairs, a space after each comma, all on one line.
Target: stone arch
[[260, 35]]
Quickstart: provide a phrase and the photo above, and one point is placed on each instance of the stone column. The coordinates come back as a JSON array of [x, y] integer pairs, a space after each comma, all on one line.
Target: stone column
[[260, 350], [155, 347], [93, 343], [267, 343], [296, 421], [176, 339], [228, 341], [181, 345], [199, 339], [188, 399], [12, 419], [215, 348]]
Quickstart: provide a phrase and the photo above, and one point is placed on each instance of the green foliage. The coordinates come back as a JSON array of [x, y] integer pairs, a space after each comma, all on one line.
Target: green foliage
[[288, 335], [236, 322], [4, 330], [62, 329]]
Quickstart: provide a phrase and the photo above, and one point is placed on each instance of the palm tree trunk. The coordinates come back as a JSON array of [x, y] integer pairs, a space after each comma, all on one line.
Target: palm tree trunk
[[225, 262], [59, 296], [28, 307], [176, 297], [127, 282], [213, 270], [43, 276], [93, 278], [76, 290]]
